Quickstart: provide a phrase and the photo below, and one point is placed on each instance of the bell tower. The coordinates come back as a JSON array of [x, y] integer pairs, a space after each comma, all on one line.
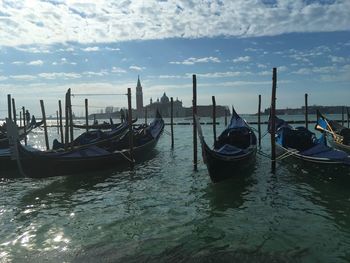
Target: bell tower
[[139, 95]]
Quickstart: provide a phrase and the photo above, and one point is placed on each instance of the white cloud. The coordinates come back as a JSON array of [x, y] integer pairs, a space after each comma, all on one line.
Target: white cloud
[[91, 49], [192, 61], [112, 49], [3, 78], [136, 68], [17, 62], [23, 77], [242, 59], [90, 21], [336, 59], [35, 63], [59, 75], [117, 70]]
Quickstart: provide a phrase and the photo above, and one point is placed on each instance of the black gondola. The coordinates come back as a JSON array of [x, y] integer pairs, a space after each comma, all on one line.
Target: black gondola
[[101, 126], [38, 164], [232, 153]]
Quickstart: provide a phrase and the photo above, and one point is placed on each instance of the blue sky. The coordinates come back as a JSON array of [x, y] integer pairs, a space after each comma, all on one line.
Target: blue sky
[[49, 46]]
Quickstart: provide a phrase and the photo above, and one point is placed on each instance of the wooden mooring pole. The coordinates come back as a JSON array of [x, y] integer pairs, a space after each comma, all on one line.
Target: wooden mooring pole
[[194, 113], [273, 120], [259, 120], [9, 106], [348, 113], [61, 122], [45, 127], [131, 135], [145, 115], [58, 122], [24, 125], [70, 116], [20, 118], [14, 111], [306, 112], [66, 128], [172, 121], [214, 117], [226, 116], [342, 115], [87, 114]]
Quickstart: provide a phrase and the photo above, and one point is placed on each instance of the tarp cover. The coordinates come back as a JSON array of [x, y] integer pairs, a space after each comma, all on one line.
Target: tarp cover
[[323, 151]]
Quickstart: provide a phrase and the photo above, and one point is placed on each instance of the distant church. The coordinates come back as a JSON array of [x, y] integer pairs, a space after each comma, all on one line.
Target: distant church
[[163, 105]]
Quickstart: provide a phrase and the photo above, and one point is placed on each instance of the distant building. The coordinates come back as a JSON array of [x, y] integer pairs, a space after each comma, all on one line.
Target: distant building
[[139, 96], [164, 107]]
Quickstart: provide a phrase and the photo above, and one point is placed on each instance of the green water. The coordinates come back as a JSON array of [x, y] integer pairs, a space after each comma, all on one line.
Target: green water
[[164, 212]]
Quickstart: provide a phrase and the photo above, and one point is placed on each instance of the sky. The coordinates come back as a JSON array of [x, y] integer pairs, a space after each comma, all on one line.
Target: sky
[[101, 47]]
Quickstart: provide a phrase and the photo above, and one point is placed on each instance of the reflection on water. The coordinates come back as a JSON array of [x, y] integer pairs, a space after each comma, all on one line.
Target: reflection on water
[[164, 212]]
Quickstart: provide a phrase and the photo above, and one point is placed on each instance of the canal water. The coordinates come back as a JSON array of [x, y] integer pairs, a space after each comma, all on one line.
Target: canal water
[[163, 211]]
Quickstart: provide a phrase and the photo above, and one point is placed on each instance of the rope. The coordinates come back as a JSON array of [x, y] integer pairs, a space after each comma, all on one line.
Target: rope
[[264, 134], [286, 155], [131, 161], [97, 94], [167, 132]]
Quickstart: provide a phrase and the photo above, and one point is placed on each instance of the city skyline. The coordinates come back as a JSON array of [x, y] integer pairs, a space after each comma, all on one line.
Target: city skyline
[[47, 47]]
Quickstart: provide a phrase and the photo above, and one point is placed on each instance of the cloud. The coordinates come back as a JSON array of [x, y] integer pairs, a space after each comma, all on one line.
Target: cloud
[[23, 77], [48, 22], [336, 59], [241, 59], [59, 75], [136, 68], [91, 49], [192, 61], [117, 70], [35, 63], [227, 74], [17, 62]]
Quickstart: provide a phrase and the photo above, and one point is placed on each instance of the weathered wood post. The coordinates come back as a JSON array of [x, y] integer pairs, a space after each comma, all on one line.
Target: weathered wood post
[[214, 117], [66, 130], [9, 106], [70, 116], [273, 120], [226, 117], [348, 113], [259, 120], [45, 127], [172, 121], [14, 111], [145, 115], [87, 115], [131, 135], [24, 125], [61, 123], [306, 112], [342, 115], [20, 118], [194, 113], [58, 122]]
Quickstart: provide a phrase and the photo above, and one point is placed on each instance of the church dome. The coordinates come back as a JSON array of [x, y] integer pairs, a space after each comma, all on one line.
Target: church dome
[[164, 99]]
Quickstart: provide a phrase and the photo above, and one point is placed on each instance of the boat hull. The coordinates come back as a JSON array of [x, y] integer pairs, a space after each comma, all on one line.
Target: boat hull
[[222, 167]]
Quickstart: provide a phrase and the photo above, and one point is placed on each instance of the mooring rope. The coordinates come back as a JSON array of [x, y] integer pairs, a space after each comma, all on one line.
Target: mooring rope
[[130, 160]]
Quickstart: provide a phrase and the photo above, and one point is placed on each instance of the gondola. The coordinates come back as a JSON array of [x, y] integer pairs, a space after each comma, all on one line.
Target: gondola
[[22, 131], [233, 151], [101, 126], [303, 144], [94, 137], [38, 164], [337, 135]]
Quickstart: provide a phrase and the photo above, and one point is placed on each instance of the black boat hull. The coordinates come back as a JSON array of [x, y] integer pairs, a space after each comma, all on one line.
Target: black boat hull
[[223, 167], [36, 165]]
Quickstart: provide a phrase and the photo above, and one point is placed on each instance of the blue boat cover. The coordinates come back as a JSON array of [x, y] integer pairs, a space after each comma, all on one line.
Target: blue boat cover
[[228, 149], [321, 150], [92, 151]]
